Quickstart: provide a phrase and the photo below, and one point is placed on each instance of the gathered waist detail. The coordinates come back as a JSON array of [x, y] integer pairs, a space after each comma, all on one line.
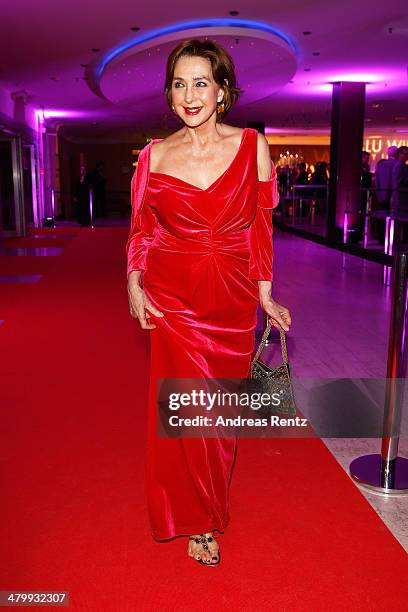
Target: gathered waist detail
[[202, 241]]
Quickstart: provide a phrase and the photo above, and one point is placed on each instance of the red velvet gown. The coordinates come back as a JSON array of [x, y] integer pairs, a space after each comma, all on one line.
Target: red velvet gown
[[202, 252]]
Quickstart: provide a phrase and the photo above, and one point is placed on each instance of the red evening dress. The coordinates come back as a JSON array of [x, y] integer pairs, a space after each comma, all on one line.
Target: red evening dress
[[201, 252]]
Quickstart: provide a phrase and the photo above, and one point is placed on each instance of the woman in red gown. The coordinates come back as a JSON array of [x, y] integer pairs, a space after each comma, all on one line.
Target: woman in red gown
[[199, 263]]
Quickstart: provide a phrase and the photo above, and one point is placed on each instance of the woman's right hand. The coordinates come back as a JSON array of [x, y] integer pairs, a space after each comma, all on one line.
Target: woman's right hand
[[140, 306]]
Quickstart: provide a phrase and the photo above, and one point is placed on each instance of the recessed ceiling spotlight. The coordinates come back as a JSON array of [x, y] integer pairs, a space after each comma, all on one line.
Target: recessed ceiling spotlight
[[307, 69], [84, 65], [234, 13], [316, 53], [306, 33], [376, 105], [135, 29], [95, 50]]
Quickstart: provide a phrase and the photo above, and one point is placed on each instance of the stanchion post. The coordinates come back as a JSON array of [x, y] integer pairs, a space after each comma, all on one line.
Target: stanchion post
[[91, 206], [345, 219], [345, 227], [387, 473], [396, 372], [367, 220], [387, 235], [53, 206]]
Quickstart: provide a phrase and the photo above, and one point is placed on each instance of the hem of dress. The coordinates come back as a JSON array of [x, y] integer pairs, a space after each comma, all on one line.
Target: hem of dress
[[186, 531]]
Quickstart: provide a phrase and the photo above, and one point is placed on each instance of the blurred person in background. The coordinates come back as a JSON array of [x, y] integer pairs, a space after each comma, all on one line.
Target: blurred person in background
[[320, 178], [303, 179], [97, 180], [303, 176], [399, 198], [383, 178], [383, 183], [366, 176], [81, 198]]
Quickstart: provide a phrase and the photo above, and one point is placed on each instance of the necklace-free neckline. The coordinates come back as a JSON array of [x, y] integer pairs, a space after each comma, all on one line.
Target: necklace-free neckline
[[176, 178]]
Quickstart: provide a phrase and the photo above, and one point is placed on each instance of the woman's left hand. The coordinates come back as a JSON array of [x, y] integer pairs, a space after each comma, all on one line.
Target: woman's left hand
[[280, 315]]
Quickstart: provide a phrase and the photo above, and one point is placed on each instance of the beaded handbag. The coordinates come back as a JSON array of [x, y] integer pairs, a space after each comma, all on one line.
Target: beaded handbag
[[274, 380]]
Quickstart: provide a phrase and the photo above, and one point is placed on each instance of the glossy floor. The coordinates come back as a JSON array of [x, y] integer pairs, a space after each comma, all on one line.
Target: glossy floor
[[340, 308]]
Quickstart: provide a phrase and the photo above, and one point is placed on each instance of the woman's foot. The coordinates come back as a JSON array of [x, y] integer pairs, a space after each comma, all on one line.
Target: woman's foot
[[204, 548]]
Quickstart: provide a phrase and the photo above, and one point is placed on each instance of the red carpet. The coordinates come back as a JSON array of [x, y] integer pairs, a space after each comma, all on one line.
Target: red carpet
[[74, 390]]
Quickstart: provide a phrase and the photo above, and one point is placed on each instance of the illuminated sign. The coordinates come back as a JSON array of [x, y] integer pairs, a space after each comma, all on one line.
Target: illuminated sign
[[377, 147]]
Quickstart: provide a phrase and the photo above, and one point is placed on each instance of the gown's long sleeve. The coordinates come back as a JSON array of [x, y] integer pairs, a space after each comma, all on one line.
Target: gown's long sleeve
[[261, 230], [143, 222], [140, 237]]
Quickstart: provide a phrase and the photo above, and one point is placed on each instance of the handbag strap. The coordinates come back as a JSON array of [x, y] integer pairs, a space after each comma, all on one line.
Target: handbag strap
[[265, 336]]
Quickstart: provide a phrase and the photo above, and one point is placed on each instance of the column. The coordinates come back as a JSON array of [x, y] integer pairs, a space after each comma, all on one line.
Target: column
[[346, 143]]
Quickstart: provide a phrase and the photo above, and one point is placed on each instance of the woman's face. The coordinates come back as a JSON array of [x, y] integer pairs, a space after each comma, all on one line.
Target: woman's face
[[194, 92]]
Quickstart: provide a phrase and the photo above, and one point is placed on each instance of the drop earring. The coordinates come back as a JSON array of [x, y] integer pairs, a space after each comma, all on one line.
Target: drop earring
[[220, 107]]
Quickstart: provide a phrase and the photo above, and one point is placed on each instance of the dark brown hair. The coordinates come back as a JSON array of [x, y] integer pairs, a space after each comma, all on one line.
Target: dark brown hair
[[222, 67]]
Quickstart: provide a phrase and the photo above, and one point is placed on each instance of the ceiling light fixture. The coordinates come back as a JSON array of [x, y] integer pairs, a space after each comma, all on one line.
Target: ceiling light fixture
[[185, 25], [306, 33]]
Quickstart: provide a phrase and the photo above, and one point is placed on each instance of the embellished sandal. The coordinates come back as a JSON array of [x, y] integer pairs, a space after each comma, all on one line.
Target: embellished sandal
[[203, 540]]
